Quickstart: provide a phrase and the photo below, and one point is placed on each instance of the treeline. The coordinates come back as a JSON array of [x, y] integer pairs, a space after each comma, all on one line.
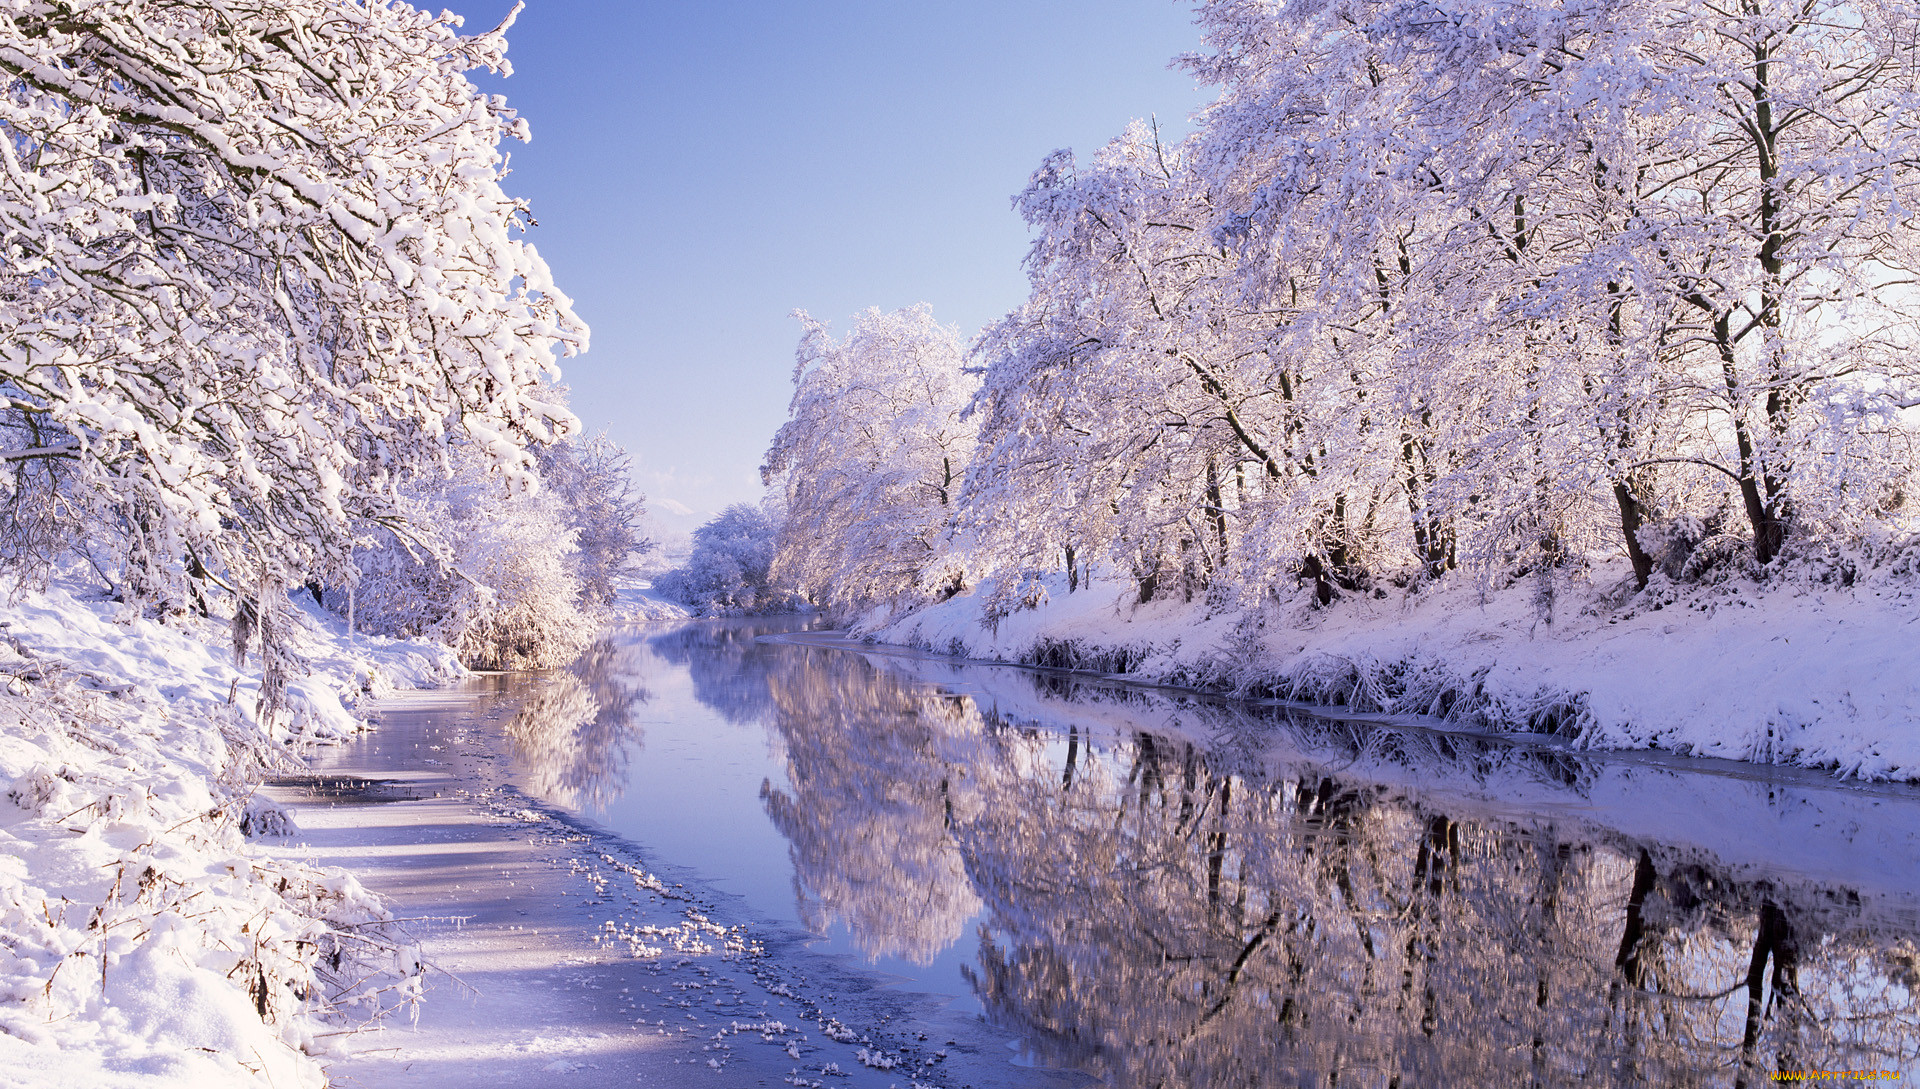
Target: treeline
[[1433, 285], [268, 324]]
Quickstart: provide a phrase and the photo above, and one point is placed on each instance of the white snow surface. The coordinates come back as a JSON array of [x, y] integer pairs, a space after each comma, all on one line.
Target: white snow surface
[[640, 604], [143, 940], [1793, 672]]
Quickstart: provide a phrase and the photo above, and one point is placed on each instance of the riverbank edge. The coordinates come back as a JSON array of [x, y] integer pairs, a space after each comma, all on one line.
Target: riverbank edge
[[150, 934], [1801, 671]]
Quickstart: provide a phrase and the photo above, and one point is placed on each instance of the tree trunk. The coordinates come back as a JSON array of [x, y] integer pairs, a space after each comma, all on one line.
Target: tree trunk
[[1217, 845], [1217, 514], [1630, 523], [1627, 960], [1432, 539], [1769, 533], [1775, 939]]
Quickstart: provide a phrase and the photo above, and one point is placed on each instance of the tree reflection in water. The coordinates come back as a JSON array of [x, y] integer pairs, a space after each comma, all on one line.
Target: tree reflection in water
[[727, 662], [876, 769], [1178, 893], [574, 729]]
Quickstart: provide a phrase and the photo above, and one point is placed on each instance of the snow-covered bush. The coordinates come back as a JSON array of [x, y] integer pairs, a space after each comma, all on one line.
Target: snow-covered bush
[[729, 571], [510, 577], [482, 567], [258, 273]]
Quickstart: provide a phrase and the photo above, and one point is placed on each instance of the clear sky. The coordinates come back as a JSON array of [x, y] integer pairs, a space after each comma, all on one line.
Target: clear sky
[[701, 168]]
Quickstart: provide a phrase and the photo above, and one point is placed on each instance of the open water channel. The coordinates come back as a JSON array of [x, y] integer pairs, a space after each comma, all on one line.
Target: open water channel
[[1159, 889]]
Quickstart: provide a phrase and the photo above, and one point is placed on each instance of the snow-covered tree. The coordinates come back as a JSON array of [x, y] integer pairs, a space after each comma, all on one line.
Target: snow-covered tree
[[256, 271], [872, 458], [1106, 428], [1786, 238], [1147, 410], [730, 569], [1499, 284], [491, 571], [1603, 244], [1453, 283], [592, 481]]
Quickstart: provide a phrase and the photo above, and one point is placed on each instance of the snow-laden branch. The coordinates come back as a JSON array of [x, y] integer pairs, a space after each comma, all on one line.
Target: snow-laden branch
[[261, 271], [66, 450], [1702, 462]]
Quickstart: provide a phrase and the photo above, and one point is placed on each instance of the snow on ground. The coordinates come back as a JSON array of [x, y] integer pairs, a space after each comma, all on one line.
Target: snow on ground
[[1792, 672], [640, 604], [143, 940]]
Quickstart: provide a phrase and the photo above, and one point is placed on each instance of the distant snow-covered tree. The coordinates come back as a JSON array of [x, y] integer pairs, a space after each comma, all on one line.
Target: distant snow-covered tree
[[592, 481], [730, 569]]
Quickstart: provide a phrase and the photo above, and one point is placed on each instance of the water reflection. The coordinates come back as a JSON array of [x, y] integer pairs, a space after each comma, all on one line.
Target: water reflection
[[575, 730], [876, 769], [1174, 892], [727, 662]]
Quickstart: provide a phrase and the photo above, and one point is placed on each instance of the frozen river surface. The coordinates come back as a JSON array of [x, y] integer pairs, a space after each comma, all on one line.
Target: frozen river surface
[[1077, 882]]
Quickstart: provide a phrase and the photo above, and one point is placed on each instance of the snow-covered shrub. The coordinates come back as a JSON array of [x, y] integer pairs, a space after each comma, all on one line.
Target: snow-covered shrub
[[729, 570], [480, 565], [39, 516], [264, 817], [1718, 557], [510, 577]]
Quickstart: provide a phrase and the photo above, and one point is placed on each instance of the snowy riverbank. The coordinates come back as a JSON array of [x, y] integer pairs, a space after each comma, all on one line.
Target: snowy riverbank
[[563, 953], [1795, 671], [143, 939]]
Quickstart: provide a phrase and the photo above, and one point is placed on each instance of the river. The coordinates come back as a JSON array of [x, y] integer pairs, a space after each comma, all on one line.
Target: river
[[1145, 887]]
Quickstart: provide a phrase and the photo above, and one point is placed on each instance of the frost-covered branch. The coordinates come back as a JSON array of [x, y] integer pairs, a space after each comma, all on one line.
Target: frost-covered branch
[[256, 271]]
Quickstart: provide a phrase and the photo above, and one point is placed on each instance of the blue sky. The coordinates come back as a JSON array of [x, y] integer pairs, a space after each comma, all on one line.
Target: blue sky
[[700, 169]]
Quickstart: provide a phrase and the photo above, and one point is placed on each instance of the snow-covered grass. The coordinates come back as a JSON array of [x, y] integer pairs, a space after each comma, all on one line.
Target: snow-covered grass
[[143, 940], [1798, 670]]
